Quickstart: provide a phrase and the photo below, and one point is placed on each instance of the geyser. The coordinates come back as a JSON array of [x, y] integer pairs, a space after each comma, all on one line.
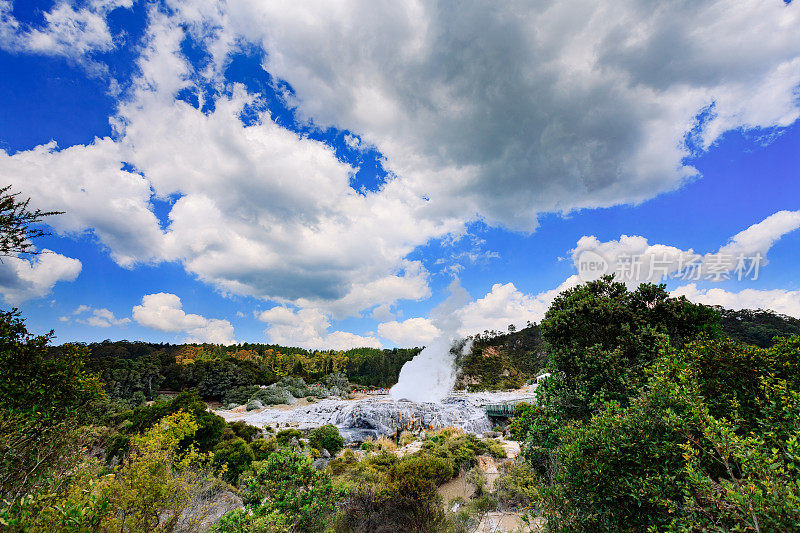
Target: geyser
[[430, 376]]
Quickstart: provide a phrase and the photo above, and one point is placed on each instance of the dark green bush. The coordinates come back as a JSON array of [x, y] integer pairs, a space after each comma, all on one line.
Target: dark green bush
[[326, 437], [244, 430], [285, 436], [236, 454], [262, 448], [240, 395]]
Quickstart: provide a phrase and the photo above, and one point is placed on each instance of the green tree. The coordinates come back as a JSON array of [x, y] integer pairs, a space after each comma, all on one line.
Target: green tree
[[44, 398], [288, 484], [16, 224], [326, 437], [692, 452], [236, 455], [601, 337], [46, 384]]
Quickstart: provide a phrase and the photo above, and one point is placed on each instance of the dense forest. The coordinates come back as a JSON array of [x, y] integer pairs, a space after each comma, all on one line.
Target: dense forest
[[135, 372]]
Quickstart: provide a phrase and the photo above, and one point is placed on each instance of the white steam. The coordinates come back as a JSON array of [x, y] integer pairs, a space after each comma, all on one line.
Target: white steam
[[430, 376]]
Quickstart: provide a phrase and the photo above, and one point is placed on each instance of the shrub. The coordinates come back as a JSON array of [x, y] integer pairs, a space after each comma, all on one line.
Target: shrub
[[327, 437], [240, 521], [273, 395], [436, 469], [406, 503], [285, 436], [678, 458], [406, 438], [289, 484], [210, 426], [262, 448], [517, 487], [236, 455], [244, 430], [240, 395]]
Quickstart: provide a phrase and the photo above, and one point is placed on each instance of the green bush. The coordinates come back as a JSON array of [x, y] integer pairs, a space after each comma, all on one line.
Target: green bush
[[236, 454], [518, 487], [244, 430], [326, 437], [679, 457], [262, 448], [241, 521], [287, 483], [436, 469], [285, 436], [240, 395], [211, 426]]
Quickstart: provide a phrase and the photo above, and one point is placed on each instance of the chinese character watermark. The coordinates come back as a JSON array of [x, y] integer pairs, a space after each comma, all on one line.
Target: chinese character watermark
[[685, 266]]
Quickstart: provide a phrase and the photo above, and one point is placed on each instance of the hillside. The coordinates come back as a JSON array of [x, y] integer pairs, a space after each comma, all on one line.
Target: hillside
[[500, 360], [757, 327]]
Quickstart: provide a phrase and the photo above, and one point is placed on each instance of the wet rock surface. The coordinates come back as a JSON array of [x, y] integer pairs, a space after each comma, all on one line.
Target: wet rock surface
[[383, 416]]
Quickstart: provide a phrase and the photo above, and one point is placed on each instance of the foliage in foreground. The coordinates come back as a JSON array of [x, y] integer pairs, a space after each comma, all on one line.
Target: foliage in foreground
[[148, 492], [708, 440]]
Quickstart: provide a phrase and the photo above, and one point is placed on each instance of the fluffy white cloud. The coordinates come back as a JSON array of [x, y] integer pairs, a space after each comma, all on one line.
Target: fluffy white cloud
[[72, 32], [496, 111], [26, 278], [88, 183], [164, 312], [781, 301], [759, 238], [510, 109], [97, 317], [636, 261], [412, 332], [308, 328], [505, 304]]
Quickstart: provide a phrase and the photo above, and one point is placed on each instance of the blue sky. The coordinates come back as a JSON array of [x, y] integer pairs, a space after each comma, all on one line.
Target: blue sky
[[319, 176]]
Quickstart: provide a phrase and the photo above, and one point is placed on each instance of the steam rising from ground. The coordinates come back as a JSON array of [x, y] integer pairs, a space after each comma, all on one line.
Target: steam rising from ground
[[430, 376]]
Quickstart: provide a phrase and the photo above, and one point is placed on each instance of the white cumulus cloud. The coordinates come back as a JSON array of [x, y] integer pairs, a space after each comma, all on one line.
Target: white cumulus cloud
[[69, 29], [96, 317], [510, 109], [634, 260], [505, 304], [411, 332], [309, 328], [164, 312], [782, 301], [23, 279]]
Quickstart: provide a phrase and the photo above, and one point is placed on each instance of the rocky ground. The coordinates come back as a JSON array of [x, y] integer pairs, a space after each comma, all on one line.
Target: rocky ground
[[374, 416]]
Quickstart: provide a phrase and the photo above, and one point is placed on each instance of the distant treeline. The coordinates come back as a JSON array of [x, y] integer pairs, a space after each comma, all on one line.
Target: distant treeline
[[135, 371], [757, 328], [505, 360]]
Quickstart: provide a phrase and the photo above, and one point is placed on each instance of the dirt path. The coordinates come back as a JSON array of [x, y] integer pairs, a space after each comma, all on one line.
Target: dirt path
[[497, 521]]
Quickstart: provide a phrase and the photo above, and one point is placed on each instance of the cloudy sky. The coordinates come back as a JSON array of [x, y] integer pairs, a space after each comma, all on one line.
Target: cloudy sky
[[324, 174]]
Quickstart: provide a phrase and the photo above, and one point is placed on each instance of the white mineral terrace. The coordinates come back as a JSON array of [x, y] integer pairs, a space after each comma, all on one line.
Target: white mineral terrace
[[372, 416]]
